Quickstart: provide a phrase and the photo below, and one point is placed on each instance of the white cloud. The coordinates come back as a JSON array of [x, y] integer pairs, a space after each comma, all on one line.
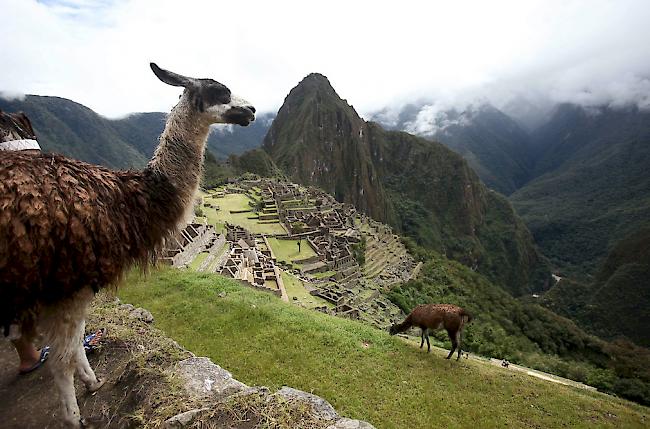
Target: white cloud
[[375, 53]]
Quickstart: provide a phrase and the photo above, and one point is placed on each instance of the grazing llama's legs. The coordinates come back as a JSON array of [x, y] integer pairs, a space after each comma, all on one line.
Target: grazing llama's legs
[[425, 335], [458, 338], [64, 326], [453, 336]]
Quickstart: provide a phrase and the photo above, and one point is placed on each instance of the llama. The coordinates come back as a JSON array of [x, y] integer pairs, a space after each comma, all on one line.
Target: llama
[[435, 316], [16, 133], [68, 228]]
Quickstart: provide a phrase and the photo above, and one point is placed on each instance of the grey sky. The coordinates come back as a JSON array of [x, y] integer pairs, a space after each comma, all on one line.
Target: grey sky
[[375, 53]]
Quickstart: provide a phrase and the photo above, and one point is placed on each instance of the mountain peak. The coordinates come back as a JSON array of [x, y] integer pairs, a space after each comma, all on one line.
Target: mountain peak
[[317, 77], [313, 82]]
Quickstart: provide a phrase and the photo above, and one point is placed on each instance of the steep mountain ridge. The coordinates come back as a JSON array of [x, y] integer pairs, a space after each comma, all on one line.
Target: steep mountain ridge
[[340, 163], [616, 302], [422, 188]]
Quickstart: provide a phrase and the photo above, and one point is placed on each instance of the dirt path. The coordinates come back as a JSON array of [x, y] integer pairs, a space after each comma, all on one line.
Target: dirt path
[[32, 400], [28, 401]]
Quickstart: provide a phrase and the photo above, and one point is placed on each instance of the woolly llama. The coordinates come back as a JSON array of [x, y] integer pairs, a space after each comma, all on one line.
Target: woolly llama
[[68, 228], [435, 316]]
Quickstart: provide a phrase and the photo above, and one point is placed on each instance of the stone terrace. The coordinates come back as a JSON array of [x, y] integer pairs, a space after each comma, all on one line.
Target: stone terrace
[[333, 230]]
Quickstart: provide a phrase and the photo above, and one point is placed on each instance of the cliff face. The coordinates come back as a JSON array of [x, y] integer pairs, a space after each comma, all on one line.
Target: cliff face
[[317, 138], [423, 189]]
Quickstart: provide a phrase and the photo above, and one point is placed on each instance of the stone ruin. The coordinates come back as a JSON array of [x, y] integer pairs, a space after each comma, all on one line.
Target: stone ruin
[[251, 260], [182, 248], [331, 229]]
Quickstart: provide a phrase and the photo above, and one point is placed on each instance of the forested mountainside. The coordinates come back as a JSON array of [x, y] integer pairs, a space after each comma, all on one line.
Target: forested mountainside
[[74, 130], [617, 300], [593, 187]]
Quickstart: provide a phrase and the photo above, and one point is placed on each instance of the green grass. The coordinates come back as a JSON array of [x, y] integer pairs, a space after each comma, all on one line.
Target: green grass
[[198, 260], [295, 288], [362, 371], [287, 250], [323, 274], [238, 202]]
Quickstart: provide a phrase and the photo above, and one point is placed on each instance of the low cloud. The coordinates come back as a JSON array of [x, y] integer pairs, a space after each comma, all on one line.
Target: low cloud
[[376, 55], [11, 95]]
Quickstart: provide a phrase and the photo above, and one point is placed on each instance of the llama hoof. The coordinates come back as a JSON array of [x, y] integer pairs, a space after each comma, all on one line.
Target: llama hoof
[[91, 423], [94, 387]]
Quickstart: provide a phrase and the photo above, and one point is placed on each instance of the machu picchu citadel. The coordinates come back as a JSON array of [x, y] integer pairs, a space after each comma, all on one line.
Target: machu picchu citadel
[[298, 243]]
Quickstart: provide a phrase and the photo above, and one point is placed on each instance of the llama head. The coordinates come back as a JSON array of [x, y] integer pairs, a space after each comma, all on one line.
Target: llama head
[[211, 99], [15, 126], [394, 329]]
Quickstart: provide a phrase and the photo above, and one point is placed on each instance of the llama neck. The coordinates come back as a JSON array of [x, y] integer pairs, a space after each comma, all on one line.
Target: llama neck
[[178, 159], [406, 324]]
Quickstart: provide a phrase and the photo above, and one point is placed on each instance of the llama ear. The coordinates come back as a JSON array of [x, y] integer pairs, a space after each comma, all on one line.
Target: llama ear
[[171, 78]]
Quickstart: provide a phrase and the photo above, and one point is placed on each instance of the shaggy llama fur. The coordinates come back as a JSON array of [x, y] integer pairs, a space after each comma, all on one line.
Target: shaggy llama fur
[[68, 228]]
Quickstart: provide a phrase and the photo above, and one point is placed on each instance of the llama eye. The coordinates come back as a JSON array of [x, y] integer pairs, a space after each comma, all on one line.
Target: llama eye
[[216, 94]]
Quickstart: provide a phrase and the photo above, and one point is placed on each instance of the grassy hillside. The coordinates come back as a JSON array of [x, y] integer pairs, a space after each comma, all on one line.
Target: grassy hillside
[[523, 331], [363, 372]]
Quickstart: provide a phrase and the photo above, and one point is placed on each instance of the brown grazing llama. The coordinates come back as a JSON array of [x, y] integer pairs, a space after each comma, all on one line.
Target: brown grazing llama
[[68, 228], [436, 316]]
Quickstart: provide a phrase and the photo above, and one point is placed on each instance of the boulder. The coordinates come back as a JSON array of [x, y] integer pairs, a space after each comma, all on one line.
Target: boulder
[[350, 424], [182, 420], [204, 379], [320, 407], [141, 314]]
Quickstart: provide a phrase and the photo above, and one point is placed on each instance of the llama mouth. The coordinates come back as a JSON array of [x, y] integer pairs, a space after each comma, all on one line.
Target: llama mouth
[[240, 116]]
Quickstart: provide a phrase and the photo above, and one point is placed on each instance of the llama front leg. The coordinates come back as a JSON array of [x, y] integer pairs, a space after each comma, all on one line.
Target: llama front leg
[[63, 325], [84, 370], [454, 343], [458, 341], [63, 373]]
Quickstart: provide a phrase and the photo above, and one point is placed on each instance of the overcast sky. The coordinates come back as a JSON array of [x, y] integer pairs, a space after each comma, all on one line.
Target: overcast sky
[[375, 53]]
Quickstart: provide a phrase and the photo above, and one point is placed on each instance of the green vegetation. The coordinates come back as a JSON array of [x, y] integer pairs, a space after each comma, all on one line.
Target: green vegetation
[[615, 303], [255, 161], [287, 250], [198, 260], [64, 126], [359, 251], [296, 289], [323, 275], [591, 185], [237, 202], [363, 372], [527, 333]]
